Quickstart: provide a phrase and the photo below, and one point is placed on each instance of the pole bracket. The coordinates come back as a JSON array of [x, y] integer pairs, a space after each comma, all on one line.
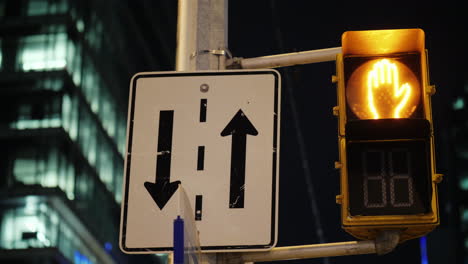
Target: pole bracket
[[217, 52]]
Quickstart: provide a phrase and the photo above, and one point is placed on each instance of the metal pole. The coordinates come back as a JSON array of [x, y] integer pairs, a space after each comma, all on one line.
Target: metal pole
[[186, 37], [201, 35], [202, 45], [288, 59], [211, 35], [311, 251], [385, 242]]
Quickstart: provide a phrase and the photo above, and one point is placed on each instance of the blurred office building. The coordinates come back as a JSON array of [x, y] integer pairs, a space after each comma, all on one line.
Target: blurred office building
[[459, 170], [65, 68]]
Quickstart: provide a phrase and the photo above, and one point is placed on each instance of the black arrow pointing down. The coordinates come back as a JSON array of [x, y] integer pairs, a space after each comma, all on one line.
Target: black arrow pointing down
[[163, 189]]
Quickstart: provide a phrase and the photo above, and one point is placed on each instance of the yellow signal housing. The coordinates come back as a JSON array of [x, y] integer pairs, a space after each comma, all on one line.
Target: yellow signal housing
[[385, 134]]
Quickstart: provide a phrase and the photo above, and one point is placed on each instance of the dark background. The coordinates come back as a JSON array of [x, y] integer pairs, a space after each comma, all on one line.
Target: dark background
[[309, 183], [115, 39], [308, 128]]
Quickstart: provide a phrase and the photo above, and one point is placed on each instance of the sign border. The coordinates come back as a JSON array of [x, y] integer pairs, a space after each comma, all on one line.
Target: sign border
[[275, 165]]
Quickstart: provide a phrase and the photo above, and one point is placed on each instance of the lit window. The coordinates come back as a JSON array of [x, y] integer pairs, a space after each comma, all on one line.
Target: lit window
[[1, 57], [22, 228], [464, 183], [37, 7], [51, 175], [121, 135], [43, 52], [118, 182], [107, 113], [105, 167], [84, 186], [91, 85], [44, 7], [49, 169], [38, 115], [24, 168], [37, 225], [80, 25], [464, 218], [87, 136], [70, 116], [74, 62], [66, 180], [458, 104], [34, 124]]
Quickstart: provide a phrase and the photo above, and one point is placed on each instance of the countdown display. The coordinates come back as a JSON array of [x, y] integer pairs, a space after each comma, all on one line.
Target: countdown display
[[389, 178]]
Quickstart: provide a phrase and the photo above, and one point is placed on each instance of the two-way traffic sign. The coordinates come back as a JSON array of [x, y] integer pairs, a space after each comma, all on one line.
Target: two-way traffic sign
[[217, 135]]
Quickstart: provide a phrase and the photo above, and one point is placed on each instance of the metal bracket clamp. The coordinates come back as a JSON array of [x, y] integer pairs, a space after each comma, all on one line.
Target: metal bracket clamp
[[386, 241], [218, 52], [234, 63], [437, 177], [284, 60]]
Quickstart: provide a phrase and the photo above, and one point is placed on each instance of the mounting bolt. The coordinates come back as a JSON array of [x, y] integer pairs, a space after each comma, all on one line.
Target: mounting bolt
[[431, 89], [336, 110], [334, 79], [338, 165], [204, 88], [437, 178], [339, 199]]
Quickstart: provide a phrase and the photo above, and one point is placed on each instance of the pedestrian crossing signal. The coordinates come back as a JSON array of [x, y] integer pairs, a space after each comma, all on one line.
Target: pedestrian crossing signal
[[385, 133]]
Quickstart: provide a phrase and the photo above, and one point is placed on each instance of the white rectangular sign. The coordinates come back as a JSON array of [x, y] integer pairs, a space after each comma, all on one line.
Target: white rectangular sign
[[216, 134]]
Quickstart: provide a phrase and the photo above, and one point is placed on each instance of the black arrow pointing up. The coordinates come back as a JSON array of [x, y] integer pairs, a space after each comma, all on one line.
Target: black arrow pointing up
[[163, 189], [238, 127]]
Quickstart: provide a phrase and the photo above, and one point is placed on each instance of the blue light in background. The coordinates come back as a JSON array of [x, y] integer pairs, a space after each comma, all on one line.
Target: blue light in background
[[108, 246], [81, 259], [423, 246]]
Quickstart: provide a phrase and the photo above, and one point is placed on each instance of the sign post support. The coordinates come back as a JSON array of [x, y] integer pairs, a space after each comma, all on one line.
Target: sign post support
[[201, 40], [201, 35]]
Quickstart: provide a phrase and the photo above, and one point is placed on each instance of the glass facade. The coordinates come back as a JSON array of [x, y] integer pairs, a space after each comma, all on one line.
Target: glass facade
[[43, 52], [46, 7], [70, 113], [37, 225], [64, 85], [459, 162]]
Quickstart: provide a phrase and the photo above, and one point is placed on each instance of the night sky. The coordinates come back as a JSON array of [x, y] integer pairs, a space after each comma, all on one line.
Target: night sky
[[308, 128]]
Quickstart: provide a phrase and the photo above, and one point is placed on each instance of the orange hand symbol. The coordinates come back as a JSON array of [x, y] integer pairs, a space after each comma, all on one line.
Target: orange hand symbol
[[384, 90]]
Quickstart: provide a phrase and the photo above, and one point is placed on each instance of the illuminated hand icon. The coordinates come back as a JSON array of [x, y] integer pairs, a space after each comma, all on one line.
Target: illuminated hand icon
[[385, 96]]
